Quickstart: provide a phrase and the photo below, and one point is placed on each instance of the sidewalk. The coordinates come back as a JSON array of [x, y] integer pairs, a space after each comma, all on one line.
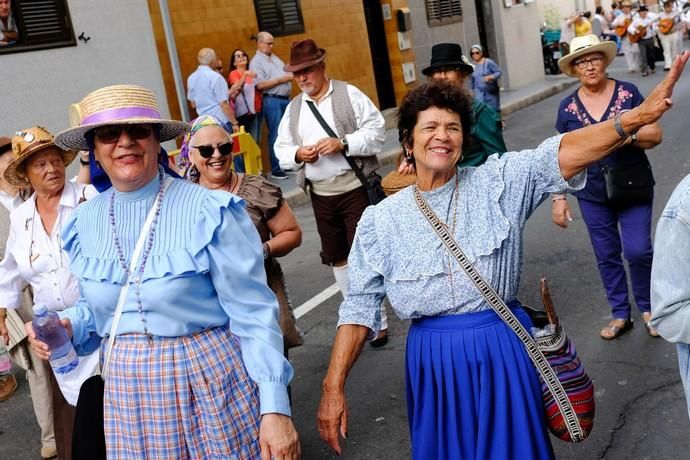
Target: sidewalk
[[511, 101]]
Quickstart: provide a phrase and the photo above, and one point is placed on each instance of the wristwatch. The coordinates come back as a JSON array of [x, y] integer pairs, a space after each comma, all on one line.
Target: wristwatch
[[619, 127], [346, 147]]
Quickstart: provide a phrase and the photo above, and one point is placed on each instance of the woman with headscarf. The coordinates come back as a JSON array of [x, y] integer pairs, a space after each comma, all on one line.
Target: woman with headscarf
[[196, 366], [485, 78], [206, 153]]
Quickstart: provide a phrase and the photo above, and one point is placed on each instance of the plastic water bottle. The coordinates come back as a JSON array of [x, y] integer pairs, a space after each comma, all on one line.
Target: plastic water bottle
[[49, 330], [5, 363]]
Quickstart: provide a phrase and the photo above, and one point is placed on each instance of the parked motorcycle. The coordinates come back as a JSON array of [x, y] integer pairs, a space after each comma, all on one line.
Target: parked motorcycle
[[551, 50]]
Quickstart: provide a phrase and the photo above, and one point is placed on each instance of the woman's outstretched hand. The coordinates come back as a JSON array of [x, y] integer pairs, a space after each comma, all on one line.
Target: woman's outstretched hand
[[659, 100]]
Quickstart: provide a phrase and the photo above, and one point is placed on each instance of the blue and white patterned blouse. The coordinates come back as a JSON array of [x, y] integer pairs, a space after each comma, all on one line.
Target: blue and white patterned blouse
[[397, 254], [205, 270]]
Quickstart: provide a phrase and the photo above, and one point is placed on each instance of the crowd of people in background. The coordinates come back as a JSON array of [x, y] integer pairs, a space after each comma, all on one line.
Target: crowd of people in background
[[166, 277], [641, 30]]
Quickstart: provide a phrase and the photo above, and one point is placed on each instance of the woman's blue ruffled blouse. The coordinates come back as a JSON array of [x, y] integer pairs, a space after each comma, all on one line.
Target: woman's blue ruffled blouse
[[205, 269], [396, 253]]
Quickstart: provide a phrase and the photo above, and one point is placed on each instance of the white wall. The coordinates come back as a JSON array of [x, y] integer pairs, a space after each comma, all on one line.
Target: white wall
[[519, 43], [39, 86]]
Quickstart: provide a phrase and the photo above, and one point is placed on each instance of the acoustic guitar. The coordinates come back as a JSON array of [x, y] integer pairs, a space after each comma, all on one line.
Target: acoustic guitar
[[623, 29], [666, 25], [639, 33]]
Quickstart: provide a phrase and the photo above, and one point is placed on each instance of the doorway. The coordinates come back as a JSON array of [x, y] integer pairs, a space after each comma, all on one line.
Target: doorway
[[373, 14]]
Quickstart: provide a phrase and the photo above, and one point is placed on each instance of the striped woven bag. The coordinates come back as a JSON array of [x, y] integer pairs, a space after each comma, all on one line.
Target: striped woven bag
[[560, 353]]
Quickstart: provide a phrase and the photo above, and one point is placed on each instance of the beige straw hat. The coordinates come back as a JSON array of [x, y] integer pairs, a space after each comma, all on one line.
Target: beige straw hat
[[116, 105], [393, 182], [27, 142], [586, 44]]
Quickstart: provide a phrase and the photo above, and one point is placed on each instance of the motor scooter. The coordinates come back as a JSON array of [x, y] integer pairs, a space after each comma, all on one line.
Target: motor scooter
[[551, 50]]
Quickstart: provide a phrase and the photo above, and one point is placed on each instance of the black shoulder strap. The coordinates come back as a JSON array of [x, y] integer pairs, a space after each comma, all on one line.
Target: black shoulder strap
[[358, 171]]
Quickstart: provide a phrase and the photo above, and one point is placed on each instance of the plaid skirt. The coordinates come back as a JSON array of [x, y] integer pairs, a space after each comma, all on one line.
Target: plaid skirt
[[180, 397]]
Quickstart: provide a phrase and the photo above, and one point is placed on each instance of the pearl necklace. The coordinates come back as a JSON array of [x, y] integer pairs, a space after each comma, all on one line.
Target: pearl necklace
[[147, 250]]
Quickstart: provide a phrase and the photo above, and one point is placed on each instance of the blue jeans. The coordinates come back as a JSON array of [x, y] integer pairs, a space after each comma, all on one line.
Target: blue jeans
[[634, 240], [238, 161], [273, 110]]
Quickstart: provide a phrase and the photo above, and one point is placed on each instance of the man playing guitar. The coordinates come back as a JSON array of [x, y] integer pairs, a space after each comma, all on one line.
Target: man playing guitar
[[642, 29], [621, 24]]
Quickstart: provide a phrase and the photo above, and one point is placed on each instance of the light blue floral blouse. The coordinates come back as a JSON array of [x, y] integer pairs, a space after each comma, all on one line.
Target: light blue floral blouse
[[397, 254]]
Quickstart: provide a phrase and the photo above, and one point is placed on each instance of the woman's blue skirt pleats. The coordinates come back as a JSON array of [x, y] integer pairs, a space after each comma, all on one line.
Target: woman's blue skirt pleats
[[472, 391]]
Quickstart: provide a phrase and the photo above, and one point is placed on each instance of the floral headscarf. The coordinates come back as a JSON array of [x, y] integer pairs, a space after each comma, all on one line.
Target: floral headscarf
[[184, 163]]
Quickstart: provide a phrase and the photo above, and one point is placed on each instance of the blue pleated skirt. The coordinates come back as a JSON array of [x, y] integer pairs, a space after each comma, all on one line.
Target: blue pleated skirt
[[472, 391]]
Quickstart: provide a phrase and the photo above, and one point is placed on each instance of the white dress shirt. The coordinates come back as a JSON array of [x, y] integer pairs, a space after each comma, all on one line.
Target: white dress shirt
[[647, 22], [366, 140], [48, 271]]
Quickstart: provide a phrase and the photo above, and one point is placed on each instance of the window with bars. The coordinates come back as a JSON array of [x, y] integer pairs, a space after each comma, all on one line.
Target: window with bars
[[439, 12], [279, 17], [38, 24]]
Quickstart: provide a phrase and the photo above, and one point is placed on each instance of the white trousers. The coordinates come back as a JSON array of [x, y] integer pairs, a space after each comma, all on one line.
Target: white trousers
[[632, 54], [670, 44]]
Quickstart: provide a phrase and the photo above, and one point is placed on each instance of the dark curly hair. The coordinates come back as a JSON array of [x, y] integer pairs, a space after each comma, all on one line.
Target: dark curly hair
[[435, 93]]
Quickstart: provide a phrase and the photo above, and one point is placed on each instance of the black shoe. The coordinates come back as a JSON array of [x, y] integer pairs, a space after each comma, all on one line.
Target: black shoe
[[653, 70], [380, 339], [279, 175], [645, 73]]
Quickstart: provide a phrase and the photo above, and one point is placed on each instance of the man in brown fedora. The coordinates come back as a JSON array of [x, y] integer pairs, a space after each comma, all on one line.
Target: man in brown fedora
[[328, 125]]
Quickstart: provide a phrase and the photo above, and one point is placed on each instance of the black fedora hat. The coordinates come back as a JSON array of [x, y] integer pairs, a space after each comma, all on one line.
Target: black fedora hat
[[447, 55]]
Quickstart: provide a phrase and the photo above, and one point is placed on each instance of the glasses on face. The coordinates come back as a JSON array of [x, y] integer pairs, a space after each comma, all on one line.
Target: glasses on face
[[584, 62], [206, 151], [111, 134], [240, 55]]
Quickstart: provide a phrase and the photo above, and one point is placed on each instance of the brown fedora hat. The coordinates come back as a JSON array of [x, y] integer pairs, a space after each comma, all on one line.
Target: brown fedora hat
[[303, 54]]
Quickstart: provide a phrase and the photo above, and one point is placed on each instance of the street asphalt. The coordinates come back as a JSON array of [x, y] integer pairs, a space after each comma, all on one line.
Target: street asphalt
[[641, 409]]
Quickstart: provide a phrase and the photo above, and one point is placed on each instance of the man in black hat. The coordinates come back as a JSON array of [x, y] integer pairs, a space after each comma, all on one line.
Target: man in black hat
[[448, 63], [643, 25], [328, 127]]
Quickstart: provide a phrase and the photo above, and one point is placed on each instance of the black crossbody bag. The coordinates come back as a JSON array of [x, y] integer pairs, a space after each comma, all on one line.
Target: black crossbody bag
[[371, 182], [629, 185]]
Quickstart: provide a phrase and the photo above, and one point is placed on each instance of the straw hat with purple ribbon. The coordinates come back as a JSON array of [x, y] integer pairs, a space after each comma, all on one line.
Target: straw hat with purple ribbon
[[116, 105]]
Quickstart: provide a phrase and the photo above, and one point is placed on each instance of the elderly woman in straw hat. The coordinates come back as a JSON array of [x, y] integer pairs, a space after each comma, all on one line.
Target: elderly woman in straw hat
[[617, 222], [196, 369], [34, 254]]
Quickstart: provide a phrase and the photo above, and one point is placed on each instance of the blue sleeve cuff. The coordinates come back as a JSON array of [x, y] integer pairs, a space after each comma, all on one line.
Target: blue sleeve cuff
[[273, 398]]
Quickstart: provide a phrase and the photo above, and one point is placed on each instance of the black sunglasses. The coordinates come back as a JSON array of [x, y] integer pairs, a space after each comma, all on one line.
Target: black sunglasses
[[111, 134], [206, 151]]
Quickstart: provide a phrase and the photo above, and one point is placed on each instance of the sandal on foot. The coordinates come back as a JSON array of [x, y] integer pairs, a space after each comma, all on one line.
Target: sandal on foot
[[380, 339], [615, 328], [651, 330]]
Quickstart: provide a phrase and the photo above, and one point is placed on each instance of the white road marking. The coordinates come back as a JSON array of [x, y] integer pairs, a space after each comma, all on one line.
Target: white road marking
[[317, 300]]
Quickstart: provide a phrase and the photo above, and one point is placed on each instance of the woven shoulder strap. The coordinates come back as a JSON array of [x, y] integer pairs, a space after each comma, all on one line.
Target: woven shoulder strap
[[492, 298]]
